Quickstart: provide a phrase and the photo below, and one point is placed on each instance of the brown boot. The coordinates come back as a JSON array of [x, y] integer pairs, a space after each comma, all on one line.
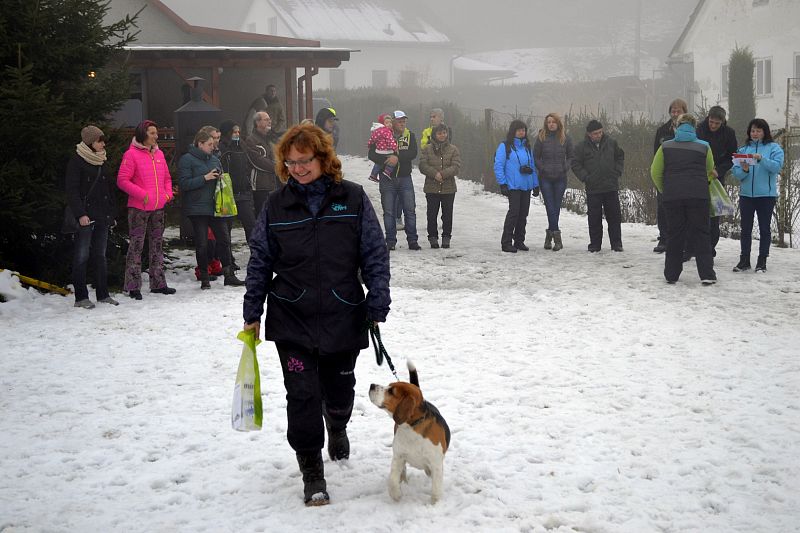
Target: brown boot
[[548, 239]]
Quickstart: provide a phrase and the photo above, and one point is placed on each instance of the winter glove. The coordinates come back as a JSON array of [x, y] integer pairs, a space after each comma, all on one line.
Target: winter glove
[[504, 190], [535, 191]]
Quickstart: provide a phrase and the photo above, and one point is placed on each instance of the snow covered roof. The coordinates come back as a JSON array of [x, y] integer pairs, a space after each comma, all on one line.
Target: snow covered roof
[[356, 20]]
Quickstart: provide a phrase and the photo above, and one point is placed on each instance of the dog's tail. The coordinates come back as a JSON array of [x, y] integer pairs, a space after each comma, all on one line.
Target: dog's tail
[[413, 378]]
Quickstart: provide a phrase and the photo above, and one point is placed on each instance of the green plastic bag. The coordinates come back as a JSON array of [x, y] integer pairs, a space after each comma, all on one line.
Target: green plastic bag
[[247, 413], [720, 204], [224, 203]]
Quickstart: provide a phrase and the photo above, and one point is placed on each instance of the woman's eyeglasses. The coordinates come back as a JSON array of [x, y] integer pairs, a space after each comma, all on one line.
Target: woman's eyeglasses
[[300, 162]]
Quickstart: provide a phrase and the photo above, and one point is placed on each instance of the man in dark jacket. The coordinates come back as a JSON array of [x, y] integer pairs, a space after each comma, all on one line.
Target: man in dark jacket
[[234, 161], [262, 164], [722, 139], [599, 163], [681, 169], [664, 133], [400, 185]]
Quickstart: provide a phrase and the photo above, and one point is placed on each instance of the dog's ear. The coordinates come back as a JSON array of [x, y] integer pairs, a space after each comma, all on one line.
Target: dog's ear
[[404, 409]]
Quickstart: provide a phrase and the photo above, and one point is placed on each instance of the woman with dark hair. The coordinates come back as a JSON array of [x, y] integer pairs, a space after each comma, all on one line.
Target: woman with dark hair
[[199, 169], [234, 161], [89, 195], [144, 176], [552, 152], [758, 191], [515, 171], [312, 238]]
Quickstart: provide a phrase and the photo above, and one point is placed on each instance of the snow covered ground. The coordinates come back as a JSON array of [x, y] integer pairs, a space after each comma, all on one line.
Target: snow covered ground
[[584, 394]]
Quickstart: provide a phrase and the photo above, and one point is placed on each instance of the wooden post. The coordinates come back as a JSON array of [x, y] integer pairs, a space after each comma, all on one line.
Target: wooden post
[[309, 76], [488, 174], [301, 106], [215, 86], [287, 91]]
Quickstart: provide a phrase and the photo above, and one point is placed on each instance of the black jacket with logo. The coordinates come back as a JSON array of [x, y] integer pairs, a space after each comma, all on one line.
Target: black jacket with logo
[[314, 239]]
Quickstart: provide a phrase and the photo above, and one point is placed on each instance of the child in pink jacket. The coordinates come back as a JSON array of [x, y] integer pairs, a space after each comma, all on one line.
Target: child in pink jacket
[[144, 176], [382, 138]]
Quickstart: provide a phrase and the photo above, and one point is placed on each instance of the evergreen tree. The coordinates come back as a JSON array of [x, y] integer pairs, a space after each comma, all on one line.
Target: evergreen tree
[[62, 69], [741, 94]]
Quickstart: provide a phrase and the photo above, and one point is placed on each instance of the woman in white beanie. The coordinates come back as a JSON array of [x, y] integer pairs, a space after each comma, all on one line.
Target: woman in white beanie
[[89, 194]]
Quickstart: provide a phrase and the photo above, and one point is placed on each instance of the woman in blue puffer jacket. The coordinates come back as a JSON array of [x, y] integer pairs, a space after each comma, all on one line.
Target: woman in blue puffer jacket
[[515, 172], [758, 191]]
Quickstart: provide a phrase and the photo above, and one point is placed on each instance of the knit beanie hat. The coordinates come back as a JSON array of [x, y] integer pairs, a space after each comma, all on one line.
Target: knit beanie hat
[[225, 128], [91, 134], [593, 125]]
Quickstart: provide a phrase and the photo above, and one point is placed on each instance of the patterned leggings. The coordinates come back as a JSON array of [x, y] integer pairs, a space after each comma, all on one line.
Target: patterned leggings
[[151, 224]]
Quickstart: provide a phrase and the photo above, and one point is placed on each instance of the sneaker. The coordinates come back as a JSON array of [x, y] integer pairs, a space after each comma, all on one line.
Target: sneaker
[[374, 178], [521, 247], [163, 290], [109, 300], [414, 246], [708, 281], [136, 295], [85, 304]]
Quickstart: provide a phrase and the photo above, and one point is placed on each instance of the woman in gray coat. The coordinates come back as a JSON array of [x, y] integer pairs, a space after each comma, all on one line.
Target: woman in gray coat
[[552, 154]]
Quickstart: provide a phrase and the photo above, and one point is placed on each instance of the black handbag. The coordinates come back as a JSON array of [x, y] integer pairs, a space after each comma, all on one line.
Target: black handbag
[[70, 223]]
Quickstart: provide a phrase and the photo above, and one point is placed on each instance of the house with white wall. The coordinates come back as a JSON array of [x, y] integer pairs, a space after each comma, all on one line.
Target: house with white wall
[[770, 28], [394, 44]]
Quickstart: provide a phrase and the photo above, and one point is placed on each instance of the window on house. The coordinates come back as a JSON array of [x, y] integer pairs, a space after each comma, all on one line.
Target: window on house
[[272, 24], [763, 77], [337, 79], [380, 79], [409, 78], [796, 74], [724, 82]]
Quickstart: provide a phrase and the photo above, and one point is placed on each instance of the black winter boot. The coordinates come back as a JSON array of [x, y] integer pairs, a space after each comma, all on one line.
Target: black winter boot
[[548, 240], [315, 490], [338, 445], [204, 284], [434, 243], [445, 242], [557, 245], [743, 264], [761, 263], [230, 277]]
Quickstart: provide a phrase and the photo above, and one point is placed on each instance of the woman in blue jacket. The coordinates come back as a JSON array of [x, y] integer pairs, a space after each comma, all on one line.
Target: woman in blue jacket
[[515, 172], [758, 191], [199, 171]]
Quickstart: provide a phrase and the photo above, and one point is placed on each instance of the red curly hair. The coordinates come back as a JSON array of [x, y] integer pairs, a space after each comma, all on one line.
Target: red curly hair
[[308, 138]]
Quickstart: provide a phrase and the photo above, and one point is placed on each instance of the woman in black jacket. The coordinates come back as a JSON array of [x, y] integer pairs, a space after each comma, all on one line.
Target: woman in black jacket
[[552, 153], [233, 157], [89, 196]]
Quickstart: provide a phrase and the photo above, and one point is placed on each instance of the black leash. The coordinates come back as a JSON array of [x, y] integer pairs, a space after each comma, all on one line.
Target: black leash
[[380, 350]]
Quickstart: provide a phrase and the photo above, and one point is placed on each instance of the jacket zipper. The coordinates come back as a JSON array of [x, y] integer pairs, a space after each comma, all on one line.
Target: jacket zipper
[[155, 173]]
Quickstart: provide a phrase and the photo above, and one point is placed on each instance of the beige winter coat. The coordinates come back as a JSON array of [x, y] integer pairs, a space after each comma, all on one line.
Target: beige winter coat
[[445, 159]]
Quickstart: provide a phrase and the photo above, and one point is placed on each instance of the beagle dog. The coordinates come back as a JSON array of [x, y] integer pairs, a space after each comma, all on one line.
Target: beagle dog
[[421, 435]]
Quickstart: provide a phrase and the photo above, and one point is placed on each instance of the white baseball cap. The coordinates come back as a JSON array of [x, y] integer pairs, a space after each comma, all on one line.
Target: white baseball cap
[[400, 114]]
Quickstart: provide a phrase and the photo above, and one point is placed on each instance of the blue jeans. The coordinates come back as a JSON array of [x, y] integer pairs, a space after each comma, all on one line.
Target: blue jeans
[[553, 196], [762, 207], [401, 188], [90, 241]]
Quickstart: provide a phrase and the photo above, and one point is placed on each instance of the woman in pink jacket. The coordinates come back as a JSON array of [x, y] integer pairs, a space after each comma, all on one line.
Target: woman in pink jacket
[[144, 176]]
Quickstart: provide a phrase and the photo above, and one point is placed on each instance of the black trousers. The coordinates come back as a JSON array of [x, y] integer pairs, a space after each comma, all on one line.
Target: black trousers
[[713, 226], [446, 203], [597, 205], [519, 205], [320, 389], [688, 221], [762, 207], [200, 225], [246, 215]]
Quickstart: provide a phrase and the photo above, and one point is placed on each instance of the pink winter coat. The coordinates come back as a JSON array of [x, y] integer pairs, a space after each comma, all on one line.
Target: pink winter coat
[[144, 175]]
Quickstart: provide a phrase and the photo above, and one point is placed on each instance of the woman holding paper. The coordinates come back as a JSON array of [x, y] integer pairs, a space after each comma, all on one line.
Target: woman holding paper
[[757, 176]]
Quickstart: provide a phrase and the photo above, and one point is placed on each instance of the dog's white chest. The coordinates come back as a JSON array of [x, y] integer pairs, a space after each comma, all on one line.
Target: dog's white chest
[[415, 449]]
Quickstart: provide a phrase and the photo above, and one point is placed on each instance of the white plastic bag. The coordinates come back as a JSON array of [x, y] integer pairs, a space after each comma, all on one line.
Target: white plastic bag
[[247, 413]]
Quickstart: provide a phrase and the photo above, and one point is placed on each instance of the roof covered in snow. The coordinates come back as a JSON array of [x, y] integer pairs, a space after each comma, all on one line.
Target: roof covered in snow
[[357, 20]]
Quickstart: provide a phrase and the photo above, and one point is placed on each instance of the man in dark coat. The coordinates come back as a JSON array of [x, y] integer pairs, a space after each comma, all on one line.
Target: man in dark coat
[[598, 163], [665, 133], [722, 139], [262, 164]]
